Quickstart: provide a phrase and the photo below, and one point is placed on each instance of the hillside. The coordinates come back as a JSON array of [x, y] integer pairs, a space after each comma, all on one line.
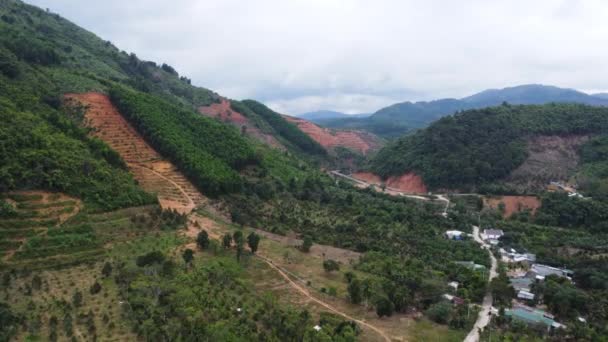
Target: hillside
[[400, 118], [360, 141], [135, 206], [527, 145]]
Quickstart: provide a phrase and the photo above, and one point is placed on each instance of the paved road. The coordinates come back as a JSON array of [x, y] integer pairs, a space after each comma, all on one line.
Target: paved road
[[484, 315]]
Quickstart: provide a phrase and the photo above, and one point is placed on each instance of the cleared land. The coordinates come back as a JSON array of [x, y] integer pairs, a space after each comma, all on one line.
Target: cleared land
[[513, 204], [154, 173]]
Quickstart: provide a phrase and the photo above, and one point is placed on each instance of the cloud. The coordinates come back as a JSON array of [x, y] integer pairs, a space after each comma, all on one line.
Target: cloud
[[302, 55]]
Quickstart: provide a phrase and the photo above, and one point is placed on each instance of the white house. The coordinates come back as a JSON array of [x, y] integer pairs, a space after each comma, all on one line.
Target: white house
[[454, 285], [493, 234], [525, 295], [454, 234]]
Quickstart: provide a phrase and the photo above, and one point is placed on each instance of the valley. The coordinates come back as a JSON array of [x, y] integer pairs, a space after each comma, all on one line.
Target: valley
[[136, 206]]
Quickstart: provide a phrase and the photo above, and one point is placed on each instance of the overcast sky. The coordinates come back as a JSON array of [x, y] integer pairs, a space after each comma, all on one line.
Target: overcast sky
[[358, 55]]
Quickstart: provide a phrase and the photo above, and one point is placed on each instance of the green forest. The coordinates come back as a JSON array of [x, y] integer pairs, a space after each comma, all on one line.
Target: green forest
[[285, 129], [481, 146]]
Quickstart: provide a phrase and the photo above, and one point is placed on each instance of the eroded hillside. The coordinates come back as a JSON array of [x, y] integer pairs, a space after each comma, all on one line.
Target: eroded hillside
[[360, 141], [154, 173]]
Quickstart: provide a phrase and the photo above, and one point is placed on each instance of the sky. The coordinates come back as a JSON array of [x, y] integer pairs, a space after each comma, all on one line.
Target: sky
[[357, 56]]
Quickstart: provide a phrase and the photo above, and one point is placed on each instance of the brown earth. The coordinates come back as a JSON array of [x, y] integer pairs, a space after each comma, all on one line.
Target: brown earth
[[550, 157], [360, 141], [223, 112], [513, 204], [409, 182], [153, 173]]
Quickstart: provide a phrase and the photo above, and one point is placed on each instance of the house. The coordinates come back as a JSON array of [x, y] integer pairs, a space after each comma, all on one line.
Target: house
[[492, 234], [513, 256], [453, 299], [525, 295], [454, 285], [540, 271], [522, 283], [530, 315], [317, 328], [454, 235]]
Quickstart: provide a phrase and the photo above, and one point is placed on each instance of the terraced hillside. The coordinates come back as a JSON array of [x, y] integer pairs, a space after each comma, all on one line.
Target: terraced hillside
[[360, 141], [154, 173], [35, 213]]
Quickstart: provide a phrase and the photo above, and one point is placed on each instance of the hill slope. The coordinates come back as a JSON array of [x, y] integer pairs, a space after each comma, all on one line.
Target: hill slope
[[402, 117], [482, 146]]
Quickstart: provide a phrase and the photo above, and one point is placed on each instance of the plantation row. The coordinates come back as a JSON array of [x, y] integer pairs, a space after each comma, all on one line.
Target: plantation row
[[208, 152]]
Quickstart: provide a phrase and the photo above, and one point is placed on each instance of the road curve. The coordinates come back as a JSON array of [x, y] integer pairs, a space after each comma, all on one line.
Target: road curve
[[483, 319], [320, 302]]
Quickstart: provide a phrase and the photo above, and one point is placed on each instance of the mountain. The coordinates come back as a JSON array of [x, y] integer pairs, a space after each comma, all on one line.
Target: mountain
[[400, 118], [519, 147], [601, 95], [321, 116]]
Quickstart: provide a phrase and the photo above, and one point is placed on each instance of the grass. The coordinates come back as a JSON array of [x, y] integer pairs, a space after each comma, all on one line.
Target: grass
[[425, 330]]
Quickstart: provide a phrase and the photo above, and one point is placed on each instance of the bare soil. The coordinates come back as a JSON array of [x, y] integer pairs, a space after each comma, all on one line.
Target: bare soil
[[513, 204], [360, 141], [153, 173], [409, 182], [550, 157], [223, 112]]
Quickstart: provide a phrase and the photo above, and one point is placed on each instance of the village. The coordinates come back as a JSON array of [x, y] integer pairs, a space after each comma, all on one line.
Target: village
[[523, 272]]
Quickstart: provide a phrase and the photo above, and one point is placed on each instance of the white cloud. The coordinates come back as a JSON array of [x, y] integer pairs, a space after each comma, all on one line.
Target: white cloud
[[301, 55]]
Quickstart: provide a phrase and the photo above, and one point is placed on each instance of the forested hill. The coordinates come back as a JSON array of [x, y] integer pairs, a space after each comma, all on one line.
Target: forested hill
[[481, 146], [45, 144], [399, 118]]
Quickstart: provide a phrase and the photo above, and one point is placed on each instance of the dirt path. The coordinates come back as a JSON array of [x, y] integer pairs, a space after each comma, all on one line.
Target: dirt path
[[484, 315], [191, 205], [320, 302]]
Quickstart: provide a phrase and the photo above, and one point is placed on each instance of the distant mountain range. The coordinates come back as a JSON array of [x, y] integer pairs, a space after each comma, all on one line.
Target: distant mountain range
[[402, 117], [321, 116]]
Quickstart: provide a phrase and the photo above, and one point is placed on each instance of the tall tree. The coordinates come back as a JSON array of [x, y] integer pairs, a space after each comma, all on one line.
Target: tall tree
[[188, 256], [253, 240], [202, 240]]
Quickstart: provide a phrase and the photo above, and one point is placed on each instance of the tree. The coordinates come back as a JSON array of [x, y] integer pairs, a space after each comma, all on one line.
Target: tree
[[188, 256], [95, 288], [239, 250], [253, 241], [237, 237], [384, 307], [354, 291], [331, 265], [306, 244], [439, 312], [227, 241], [106, 271], [154, 257], [77, 299], [202, 240]]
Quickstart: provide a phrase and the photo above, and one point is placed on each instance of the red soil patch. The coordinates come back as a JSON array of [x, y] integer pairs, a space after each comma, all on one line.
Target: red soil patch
[[514, 204], [409, 182], [223, 112], [363, 142], [152, 172]]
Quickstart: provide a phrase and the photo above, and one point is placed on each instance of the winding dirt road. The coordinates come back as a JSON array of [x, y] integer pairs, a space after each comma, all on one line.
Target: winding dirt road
[[320, 302], [483, 319]]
